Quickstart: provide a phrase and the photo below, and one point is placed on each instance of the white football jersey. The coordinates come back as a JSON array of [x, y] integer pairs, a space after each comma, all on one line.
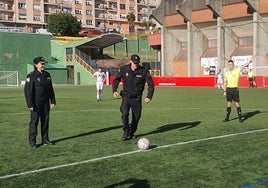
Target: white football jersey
[[100, 76]]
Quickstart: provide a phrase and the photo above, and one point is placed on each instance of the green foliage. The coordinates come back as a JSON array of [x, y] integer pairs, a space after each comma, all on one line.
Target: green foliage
[[64, 24], [131, 18], [147, 24], [184, 126]]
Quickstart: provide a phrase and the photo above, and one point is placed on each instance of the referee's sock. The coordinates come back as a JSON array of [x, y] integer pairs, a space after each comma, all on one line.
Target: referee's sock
[[239, 112], [228, 111]]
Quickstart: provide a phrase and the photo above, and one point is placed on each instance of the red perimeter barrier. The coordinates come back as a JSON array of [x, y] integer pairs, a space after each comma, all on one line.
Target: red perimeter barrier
[[209, 81]]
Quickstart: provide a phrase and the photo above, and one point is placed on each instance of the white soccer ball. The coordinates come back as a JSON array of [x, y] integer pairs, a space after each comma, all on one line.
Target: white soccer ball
[[143, 144]]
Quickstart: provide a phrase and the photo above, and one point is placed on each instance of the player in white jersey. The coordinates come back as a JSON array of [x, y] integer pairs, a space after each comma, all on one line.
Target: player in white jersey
[[219, 79], [100, 78]]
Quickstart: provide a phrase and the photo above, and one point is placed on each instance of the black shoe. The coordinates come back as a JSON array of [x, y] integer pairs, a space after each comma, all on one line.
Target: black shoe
[[225, 120], [33, 146], [125, 136], [131, 136], [48, 143]]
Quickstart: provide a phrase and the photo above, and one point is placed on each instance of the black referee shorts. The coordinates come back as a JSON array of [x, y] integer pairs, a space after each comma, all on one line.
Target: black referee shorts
[[232, 94]]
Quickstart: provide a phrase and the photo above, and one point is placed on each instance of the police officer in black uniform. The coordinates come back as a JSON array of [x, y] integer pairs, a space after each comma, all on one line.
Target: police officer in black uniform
[[134, 78], [40, 98]]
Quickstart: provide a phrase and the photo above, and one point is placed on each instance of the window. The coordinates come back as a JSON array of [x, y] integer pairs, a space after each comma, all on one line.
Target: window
[[131, 8], [123, 16], [2, 16], [89, 22], [65, 10], [22, 16], [88, 12], [36, 7], [122, 6], [36, 18], [69, 51], [88, 3], [22, 6], [2, 5], [77, 11], [78, 2]]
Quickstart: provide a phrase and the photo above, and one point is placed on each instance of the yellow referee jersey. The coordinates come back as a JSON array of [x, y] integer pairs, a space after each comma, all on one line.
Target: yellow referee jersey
[[250, 74], [231, 78]]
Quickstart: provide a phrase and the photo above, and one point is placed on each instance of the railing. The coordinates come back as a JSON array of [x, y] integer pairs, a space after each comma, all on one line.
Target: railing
[[87, 59], [86, 66]]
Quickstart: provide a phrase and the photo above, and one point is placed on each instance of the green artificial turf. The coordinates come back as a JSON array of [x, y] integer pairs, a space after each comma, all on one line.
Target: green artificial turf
[[190, 145]]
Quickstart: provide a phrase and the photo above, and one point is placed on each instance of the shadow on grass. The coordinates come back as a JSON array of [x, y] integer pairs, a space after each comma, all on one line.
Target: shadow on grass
[[88, 133], [131, 183], [248, 115], [169, 127]]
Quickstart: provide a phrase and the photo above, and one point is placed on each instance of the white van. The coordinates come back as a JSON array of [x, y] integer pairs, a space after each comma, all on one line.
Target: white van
[[43, 31]]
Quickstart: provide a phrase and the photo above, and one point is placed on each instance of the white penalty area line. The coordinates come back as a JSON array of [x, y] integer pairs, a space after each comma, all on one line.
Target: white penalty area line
[[129, 153]]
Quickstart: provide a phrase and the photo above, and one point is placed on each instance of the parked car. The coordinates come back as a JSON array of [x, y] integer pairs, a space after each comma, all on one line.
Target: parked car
[[91, 33], [43, 31]]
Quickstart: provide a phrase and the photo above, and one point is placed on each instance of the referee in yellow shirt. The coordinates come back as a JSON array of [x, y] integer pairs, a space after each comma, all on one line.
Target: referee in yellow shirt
[[231, 91]]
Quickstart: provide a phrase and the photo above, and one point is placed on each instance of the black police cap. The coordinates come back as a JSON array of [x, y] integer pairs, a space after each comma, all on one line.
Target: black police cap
[[135, 59], [39, 59]]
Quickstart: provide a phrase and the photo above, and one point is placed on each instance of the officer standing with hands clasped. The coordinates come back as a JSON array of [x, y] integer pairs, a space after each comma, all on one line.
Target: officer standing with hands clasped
[[40, 98], [134, 78]]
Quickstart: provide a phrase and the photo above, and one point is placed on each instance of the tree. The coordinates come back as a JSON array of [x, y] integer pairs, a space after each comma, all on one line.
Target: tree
[[130, 20], [64, 24], [147, 24]]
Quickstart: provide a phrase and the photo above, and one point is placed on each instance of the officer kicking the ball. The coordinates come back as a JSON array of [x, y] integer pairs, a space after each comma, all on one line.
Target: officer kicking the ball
[[134, 78]]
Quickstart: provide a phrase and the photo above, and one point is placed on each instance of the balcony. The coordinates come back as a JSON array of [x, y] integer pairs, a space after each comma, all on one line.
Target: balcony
[[51, 2]]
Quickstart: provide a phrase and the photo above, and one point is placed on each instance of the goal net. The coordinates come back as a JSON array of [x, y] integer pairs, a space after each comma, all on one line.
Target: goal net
[[9, 78]]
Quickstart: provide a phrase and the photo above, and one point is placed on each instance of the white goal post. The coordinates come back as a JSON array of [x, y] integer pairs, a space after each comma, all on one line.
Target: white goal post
[[9, 78]]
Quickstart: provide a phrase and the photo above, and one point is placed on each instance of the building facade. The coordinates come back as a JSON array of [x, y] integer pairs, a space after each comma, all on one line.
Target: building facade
[[107, 15], [199, 37]]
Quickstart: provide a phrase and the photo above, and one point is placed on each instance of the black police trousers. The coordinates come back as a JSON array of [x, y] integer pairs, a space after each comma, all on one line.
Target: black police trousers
[[40, 112], [135, 105]]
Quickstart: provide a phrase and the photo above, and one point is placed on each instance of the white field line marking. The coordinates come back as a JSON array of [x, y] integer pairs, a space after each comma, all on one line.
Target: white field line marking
[[117, 109], [128, 153]]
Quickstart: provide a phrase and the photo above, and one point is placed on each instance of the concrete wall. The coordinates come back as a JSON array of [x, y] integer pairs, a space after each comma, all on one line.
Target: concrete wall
[[201, 25]]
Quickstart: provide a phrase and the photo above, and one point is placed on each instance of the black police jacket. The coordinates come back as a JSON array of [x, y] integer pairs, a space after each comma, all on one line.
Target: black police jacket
[[134, 81], [38, 89]]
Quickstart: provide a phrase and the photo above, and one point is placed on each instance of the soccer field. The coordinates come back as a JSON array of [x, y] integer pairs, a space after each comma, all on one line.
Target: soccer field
[[190, 145]]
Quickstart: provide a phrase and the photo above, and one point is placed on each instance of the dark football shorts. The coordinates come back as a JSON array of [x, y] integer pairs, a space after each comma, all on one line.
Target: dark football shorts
[[232, 94], [250, 79]]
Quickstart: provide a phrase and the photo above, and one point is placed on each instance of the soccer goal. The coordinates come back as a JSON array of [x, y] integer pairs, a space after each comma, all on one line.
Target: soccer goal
[[9, 78]]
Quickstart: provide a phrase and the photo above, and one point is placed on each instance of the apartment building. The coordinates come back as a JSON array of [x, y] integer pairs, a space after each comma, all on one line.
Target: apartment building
[[106, 15]]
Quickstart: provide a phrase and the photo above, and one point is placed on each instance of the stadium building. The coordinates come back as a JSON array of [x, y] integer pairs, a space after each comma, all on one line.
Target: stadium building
[[199, 37]]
